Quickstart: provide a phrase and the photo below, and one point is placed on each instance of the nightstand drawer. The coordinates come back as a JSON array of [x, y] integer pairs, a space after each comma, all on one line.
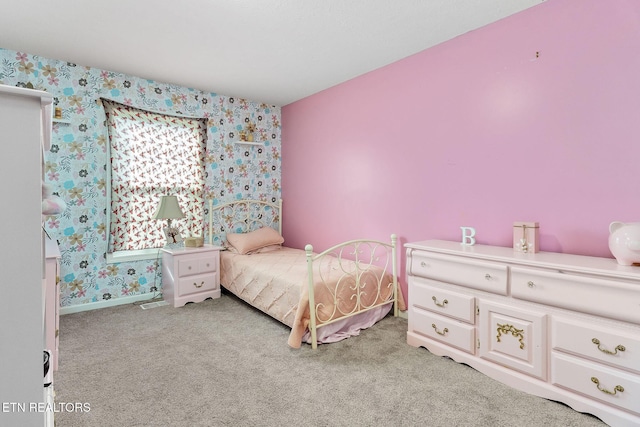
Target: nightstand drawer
[[209, 264], [196, 265], [599, 382], [195, 284], [481, 275], [440, 328], [620, 348], [442, 301]]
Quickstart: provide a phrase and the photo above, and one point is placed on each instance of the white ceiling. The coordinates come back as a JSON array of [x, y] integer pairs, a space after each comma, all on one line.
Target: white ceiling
[[272, 51]]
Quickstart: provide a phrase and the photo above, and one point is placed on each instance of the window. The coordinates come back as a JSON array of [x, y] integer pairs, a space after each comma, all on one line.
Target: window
[[151, 155]]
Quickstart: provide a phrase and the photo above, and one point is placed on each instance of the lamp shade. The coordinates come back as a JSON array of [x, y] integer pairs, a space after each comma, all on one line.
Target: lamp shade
[[168, 208]]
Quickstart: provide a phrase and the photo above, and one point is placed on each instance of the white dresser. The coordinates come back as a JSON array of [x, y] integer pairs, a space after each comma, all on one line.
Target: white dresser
[[560, 326], [25, 131]]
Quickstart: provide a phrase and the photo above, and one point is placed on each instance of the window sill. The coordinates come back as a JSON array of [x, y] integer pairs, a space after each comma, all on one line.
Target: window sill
[[139, 255]]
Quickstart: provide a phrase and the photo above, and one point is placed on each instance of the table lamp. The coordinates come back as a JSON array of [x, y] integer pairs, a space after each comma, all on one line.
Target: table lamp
[[169, 209]]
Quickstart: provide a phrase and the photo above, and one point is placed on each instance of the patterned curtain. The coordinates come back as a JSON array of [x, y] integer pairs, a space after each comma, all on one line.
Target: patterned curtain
[[152, 155]]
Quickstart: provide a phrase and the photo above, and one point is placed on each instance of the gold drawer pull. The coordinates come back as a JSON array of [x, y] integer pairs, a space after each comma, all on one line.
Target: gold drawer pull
[[616, 389], [198, 286], [444, 331], [442, 304], [487, 276], [530, 284], [618, 348]]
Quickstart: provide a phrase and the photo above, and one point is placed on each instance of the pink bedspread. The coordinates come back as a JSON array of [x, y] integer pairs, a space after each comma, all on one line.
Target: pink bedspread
[[276, 282]]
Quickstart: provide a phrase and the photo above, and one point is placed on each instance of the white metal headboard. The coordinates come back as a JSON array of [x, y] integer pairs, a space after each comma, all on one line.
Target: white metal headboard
[[241, 216]]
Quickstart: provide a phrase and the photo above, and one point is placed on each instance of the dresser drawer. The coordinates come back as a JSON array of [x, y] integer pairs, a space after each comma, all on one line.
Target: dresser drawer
[[615, 347], [196, 284], [585, 294], [440, 328], [486, 276], [442, 301], [600, 382], [188, 266]]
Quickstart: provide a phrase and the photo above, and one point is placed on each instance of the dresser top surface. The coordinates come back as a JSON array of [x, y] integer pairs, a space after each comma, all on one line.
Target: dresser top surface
[[560, 261]]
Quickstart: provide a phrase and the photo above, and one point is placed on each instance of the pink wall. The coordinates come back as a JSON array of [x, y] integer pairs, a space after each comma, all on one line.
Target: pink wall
[[481, 132]]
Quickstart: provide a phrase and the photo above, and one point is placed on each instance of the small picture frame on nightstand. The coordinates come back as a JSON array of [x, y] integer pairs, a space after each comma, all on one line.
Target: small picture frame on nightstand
[[172, 235]]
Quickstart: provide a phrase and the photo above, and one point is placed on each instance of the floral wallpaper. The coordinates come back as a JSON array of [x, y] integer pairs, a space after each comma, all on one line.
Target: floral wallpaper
[[76, 166]]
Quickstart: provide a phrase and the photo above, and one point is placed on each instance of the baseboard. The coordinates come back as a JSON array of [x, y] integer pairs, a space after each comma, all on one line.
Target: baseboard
[[107, 303]]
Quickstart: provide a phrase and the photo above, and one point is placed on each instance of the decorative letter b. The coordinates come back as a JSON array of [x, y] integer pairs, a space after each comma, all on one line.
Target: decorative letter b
[[468, 236]]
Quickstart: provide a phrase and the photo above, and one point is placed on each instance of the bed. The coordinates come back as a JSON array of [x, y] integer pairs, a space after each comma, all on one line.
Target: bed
[[323, 297]]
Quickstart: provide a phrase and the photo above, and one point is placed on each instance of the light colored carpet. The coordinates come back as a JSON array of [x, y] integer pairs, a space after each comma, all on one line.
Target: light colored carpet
[[222, 363]]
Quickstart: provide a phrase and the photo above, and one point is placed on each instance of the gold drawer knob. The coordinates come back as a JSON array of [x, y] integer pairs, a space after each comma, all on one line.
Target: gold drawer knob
[[423, 264], [198, 286], [616, 389], [439, 304], [487, 276], [530, 284], [435, 328], [618, 348]]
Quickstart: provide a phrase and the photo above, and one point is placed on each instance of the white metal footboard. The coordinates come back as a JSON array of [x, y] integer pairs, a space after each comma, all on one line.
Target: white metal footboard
[[356, 278]]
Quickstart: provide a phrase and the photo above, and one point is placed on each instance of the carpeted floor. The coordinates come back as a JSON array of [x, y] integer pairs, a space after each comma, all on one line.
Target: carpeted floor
[[222, 363]]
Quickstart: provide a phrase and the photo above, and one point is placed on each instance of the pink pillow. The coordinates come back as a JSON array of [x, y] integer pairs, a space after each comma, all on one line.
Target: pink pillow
[[253, 240]]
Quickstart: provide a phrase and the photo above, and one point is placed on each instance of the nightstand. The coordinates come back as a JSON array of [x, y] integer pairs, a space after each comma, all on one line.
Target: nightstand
[[190, 274]]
